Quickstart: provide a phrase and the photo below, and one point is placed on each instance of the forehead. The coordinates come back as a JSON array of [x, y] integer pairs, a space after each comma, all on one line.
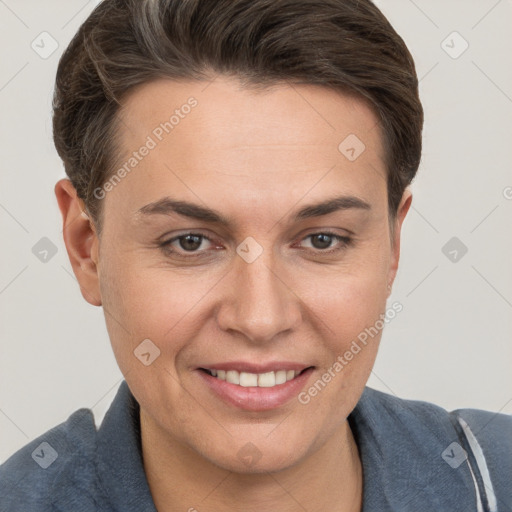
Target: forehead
[[214, 141], [252, 116]]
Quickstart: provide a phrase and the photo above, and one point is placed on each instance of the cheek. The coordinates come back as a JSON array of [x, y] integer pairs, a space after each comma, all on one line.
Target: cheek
[[150, 303], [348, 314], [352, 313], [347, 306], [348, 298]]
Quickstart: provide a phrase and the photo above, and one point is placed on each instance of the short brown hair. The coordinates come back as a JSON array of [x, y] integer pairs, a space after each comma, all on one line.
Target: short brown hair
[[345, 45]]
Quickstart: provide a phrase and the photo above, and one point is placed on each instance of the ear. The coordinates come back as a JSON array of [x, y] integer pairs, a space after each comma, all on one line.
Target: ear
[[403, 208], [82, 243]]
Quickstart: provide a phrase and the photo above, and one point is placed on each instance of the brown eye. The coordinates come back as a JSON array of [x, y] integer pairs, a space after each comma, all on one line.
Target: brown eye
[[321, 240], [190, 242], [322, 243], [186, 245]]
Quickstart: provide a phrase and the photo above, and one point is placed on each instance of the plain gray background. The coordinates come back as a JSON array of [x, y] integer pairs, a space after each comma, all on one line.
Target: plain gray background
[[451, 344]]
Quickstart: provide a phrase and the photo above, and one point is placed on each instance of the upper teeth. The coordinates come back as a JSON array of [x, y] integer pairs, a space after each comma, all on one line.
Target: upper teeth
[[262, 380]]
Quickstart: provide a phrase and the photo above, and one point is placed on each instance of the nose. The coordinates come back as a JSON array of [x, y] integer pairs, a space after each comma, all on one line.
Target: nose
[[259, 302]]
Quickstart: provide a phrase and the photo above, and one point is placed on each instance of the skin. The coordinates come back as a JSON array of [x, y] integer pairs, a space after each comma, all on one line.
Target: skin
[[256, 157]]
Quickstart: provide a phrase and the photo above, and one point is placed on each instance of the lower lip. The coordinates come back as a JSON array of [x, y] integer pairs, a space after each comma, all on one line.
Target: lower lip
[[256, 398]]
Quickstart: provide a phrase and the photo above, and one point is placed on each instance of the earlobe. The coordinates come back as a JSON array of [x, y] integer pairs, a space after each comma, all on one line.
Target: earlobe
[[403, 208], [81, 240]]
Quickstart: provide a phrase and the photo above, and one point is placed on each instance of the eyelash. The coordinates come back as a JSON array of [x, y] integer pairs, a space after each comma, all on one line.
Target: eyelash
[[165, 246]]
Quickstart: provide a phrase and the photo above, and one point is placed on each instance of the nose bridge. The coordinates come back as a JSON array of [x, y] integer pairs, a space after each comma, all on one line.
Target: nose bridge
[[261, 304]]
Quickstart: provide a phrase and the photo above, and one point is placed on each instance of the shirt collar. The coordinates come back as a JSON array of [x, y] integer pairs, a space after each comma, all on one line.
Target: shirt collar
[[119, 455], [400, 443]]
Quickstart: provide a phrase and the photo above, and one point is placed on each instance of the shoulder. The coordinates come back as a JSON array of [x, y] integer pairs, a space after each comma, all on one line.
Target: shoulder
[[493, 430], [462, 446], [55, 463], [489, 444], [399, 408]]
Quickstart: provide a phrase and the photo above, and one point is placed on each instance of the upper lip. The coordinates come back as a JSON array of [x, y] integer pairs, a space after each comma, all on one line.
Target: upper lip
[[244, 366]]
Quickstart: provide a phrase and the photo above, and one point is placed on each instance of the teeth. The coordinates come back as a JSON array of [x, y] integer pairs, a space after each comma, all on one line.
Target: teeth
[[262, 380], [233, 377], [266, 380], [281, 377], [248, 379]]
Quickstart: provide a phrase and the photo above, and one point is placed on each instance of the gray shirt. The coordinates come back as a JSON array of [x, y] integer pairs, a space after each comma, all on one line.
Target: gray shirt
[[415, 456]]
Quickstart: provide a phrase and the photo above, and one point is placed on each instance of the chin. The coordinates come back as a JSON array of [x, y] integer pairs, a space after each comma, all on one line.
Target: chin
[[258, 457], [263, 466]]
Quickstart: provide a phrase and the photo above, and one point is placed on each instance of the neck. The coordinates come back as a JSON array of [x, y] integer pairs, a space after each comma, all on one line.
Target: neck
[[180, 479]]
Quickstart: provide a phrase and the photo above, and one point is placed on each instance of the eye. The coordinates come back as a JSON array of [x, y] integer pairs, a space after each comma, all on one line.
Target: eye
[[322, 242], [187, 243], [192, 245]]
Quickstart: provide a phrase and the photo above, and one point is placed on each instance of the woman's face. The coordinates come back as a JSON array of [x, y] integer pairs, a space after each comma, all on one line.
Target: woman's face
[[267, 284]]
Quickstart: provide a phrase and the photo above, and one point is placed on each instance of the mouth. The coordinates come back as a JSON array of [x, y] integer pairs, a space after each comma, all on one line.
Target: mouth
[[255, 388], [260, 380]]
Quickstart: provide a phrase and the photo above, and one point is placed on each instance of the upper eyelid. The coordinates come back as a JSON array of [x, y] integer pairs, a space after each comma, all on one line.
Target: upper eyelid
[[188, 233], [309, 231]]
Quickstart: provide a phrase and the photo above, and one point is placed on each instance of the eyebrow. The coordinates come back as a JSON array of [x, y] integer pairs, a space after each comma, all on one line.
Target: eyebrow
[[168, 206]]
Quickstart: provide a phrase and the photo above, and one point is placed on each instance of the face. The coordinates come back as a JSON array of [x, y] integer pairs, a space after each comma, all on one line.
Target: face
[[246, 242]]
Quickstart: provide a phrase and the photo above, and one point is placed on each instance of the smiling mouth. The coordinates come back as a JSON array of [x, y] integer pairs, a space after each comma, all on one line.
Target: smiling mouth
[[261, 380]]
